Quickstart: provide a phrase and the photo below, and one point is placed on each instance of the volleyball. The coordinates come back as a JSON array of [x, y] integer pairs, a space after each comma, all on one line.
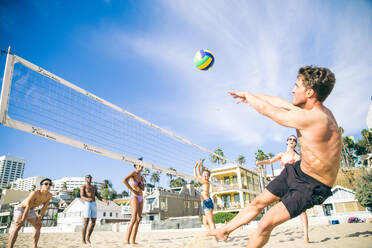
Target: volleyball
[[204, 59]]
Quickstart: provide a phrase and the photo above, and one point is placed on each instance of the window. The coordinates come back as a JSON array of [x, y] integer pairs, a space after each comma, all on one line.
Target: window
[[236, 197], [104, 214], [235, 180], [163, 204], [196, 204], [117, 215], [227, 180], [110, 214], [244, 197]]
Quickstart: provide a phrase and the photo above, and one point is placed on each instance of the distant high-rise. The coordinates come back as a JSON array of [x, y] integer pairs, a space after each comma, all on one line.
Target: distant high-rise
[[11, 169], [27, 184]]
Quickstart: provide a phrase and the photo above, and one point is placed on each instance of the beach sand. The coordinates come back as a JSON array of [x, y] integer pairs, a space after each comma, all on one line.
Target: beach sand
[[327, 236]]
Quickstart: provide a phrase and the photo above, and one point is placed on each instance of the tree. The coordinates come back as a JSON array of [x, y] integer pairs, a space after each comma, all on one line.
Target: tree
[[64, 186], [155, 177], [196, 184], [271, 155], [364, 188], [124, 194], [107, 184], [241, 159], [112, 194], [33, 187], [75, 192], [218, 157], [171, 176], [179, 182], [145, 173]]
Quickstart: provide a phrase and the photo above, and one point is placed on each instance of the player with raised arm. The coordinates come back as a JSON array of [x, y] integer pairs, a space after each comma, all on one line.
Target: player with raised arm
[[307, 182]]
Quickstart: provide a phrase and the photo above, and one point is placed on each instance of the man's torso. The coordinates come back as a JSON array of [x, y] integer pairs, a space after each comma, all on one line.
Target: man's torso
[[321, 148], [90, 192]]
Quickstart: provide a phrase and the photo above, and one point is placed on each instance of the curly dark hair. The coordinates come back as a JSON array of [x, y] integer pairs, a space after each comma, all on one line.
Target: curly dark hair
[[320, 79]]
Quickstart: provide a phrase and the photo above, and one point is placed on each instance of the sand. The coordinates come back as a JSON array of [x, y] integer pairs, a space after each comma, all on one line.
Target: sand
[[343, 235]]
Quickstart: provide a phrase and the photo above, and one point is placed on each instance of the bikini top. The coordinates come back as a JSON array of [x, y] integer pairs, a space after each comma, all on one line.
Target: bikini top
[[292, 161], [133, 182]]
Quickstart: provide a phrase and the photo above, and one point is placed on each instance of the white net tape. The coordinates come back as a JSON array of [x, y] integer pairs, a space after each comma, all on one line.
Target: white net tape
[[41, 103]]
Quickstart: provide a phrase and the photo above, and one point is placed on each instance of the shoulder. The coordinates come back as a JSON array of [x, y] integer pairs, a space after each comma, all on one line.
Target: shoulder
[[50, 195]]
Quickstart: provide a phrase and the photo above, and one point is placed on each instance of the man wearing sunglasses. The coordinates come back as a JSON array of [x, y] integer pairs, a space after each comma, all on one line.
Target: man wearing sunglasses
[[307, 182], [26, 211], [88, 194]]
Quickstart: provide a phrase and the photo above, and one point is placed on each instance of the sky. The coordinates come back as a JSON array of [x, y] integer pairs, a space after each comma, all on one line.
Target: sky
[[139, 55]]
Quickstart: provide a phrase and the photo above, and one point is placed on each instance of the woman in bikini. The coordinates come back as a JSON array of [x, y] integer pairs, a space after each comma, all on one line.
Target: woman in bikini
[[289, 157], [207, 203], [134, 182]]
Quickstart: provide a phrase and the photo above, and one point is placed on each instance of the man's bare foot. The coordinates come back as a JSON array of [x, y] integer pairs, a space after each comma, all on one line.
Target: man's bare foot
[[84, 242], [307, 240], [88, 241], [220, 234]]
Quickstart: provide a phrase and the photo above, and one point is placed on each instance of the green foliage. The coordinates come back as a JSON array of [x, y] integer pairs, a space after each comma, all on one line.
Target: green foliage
[[351, 149], [364, 188], [124, 194], [145, 173], [260, 155], [179, 182], [241, 159], [155, 177], [223, 217], [218, 157], [64, 186], [75, 192]]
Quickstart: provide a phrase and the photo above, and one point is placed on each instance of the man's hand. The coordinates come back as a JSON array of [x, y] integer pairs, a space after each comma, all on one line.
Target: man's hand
[[240, 95]]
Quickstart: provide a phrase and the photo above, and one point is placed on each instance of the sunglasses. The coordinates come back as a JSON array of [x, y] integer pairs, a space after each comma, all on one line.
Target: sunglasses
[[47, 184], [293, 139]]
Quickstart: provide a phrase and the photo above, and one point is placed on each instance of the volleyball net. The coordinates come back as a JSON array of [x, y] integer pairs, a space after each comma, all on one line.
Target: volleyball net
[[38, 102]]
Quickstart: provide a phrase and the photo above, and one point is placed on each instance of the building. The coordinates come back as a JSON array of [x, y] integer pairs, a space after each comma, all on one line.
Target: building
[[161, 204], [237, 176], [73, 215], [26, 184], [11, 169], [72, 183], [341, 204]]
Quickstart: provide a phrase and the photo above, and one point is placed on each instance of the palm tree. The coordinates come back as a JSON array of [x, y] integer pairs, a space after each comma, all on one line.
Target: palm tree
[[179, 182], [241, 159], [171, 176], [271, 155], [145, 174], [33, 187], [64, 186], [155, 177], [124, 194], [218, 156], [107, 184]]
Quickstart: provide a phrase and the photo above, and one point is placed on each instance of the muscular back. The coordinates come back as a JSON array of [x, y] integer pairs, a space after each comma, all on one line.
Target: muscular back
[[321, 146]]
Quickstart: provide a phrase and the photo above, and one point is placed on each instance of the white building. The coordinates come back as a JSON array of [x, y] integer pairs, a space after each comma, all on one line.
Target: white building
[[26, 184], [341, 204], [73, 215], [11, 169], [73, 182]]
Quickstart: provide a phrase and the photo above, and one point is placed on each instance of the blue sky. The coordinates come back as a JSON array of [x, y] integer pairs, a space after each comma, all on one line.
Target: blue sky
[[139, 56]]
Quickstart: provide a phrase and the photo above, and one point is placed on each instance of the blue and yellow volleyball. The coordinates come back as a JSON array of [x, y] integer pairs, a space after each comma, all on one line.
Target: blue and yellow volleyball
[[204, 59]]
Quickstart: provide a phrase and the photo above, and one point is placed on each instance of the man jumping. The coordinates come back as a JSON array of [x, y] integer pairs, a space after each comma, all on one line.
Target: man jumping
[[308, 182]]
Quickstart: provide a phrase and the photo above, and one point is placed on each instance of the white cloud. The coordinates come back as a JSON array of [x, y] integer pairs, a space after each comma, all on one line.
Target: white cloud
[[258, 47]]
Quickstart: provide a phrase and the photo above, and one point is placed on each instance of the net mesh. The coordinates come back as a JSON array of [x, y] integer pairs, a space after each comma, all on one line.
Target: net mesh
[[41, 101]]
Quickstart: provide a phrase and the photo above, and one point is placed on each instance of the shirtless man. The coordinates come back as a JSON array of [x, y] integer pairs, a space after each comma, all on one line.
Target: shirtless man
[[88, 193], [25, 211], [307, 182], [207, 203]]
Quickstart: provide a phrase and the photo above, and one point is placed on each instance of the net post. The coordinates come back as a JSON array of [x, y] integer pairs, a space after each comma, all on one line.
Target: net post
[[5, 90]]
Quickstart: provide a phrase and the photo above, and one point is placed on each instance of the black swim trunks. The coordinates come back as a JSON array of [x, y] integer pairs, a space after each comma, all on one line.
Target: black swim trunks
[[297, 190]]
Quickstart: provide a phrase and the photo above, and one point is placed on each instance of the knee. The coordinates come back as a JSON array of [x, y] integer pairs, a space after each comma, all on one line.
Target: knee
[[265, 227], [133, 219], [257, 203], [85, 223], [93, 222], [38, 226], [138, 220]]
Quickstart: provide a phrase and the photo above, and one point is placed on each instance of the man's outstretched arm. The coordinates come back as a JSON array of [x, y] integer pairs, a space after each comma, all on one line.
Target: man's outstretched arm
[[276, 101], [294, 118]]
